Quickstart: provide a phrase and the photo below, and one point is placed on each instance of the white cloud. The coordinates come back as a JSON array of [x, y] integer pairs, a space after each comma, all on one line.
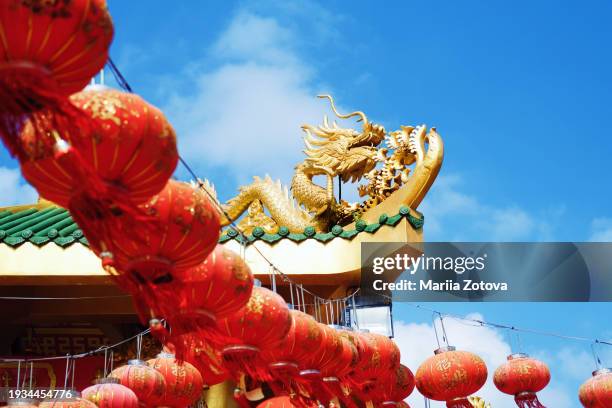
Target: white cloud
[[556, 396], [417, 342], [13, 190], [250, 37], [601, 230], [577, 364], [245, 114], [448, 208]]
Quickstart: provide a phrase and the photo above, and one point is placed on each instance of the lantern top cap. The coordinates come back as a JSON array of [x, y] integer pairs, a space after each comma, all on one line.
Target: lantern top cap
[[602, 371], [107, 380], [444, 349], [136, 362], [165, 355], [97, 87], [515, 356], [336, 326]]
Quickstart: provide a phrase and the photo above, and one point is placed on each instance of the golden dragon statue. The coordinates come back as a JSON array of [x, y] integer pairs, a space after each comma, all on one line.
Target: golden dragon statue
[[382, 159]]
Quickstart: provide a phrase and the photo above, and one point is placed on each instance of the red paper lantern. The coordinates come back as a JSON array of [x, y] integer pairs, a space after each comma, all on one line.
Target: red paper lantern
[[353, 383], [183, 381], [214, 289], [380, 356], [204, 357], [278, 402], [281, 362], [345, 359], [451, 376], [308, 343], [323, 359], [182, 228], [259, 325], [68, 403], [130, 147], [301, 345], [396, 386], [147, 383], [401, 404], [522, 377], [124, 158], [108, 393], [596, 392], [50, 49], [335, 372], [323, 362], [364, 351]]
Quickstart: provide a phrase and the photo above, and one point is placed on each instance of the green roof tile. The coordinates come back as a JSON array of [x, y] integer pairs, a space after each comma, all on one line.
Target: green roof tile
[[54, 224], [17, 218], [38, 226], [42, 228]]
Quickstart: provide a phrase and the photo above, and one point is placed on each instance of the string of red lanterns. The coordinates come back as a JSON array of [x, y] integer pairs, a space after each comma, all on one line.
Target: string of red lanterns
[[108, 156]]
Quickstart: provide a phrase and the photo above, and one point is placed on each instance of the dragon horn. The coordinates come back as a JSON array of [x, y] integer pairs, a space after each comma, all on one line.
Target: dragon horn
[[349, 115]]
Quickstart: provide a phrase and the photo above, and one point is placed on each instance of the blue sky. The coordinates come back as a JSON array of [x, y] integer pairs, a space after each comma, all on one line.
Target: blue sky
[[518, 90]]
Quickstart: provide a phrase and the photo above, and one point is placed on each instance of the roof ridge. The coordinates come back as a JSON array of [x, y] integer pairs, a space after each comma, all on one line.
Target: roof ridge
[[39, 205], [54, 224]]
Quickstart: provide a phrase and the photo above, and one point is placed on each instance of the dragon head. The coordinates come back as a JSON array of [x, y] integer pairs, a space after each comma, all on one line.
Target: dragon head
[[343, 152]]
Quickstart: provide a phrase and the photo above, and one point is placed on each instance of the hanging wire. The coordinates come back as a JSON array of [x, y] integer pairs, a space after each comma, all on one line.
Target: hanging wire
[[118, 76], [303, 301], [139, 347], [31, 373], [433, 318], [27, 298], [68, 370], [444, 335], [273, 269], [320, 303], [513, 348], [297, 298], [334, 305], [596, 356], [105, 363], [483, 323], [73, 370], [355, 312], [518, 341]]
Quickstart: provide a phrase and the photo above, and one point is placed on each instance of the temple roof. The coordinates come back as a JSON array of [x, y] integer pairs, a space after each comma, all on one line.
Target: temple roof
[[26, 259], [39, 226], [45, 222]]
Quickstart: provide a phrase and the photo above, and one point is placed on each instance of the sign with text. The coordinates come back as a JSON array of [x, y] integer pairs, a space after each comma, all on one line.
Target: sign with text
[[488, 271]]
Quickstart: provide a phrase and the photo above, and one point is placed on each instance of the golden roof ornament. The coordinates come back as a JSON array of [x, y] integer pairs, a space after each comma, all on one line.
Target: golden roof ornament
[[406, 160]]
